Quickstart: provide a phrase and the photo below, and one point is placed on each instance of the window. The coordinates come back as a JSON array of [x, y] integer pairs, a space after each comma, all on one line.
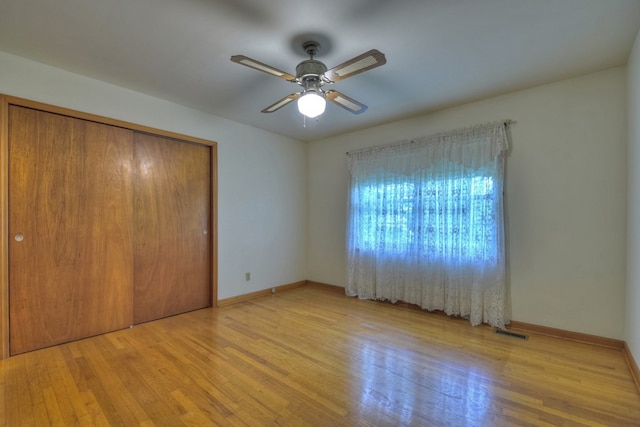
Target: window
[[438, 216], [426, 225]]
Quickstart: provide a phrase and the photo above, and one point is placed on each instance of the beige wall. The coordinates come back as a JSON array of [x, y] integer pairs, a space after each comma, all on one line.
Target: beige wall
[[261, 177], [632, 329], [565, 198]]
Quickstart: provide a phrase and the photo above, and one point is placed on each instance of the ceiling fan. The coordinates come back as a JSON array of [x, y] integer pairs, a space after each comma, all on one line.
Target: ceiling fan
[[312, 75]]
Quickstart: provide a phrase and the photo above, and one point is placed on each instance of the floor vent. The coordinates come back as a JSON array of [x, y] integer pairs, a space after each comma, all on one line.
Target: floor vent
[[512, 334]]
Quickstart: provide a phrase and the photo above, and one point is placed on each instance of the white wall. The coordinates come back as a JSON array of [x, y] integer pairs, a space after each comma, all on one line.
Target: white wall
[[632, 329], [565, 198], [261, 176]]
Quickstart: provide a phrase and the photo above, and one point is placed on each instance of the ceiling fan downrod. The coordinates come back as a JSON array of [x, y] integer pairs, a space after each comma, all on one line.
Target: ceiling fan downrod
[[311, 48]]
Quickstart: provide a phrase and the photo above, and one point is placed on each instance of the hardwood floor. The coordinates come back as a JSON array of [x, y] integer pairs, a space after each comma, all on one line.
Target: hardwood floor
[[311, 356]]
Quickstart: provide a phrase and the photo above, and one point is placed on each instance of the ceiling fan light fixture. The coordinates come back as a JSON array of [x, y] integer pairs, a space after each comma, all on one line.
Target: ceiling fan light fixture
[[311, 104]]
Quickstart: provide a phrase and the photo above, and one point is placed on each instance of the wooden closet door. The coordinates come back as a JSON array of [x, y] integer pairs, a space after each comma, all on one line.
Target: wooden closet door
[[70, 229], [172, 239]]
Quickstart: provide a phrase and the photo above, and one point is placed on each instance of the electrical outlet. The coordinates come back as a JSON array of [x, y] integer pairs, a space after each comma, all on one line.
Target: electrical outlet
[[247, 276]]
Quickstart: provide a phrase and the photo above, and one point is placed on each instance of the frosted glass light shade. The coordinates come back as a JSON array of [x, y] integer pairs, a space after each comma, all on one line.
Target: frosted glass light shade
[[311, 104]]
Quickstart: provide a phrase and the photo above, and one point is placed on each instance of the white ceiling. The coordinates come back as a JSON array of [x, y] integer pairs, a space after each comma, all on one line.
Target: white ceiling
[[439, 52]]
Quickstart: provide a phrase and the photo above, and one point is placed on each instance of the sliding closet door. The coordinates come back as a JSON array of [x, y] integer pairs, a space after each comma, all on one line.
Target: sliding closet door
[[70, 228], [172, 240]]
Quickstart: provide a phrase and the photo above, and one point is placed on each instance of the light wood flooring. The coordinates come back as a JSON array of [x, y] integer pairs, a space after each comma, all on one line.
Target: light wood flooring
[[314, 357]]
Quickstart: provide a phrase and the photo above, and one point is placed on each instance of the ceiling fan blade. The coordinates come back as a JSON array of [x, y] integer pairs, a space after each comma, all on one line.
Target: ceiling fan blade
[[281, 103], [342, 100], [368, 60], [260, 66]]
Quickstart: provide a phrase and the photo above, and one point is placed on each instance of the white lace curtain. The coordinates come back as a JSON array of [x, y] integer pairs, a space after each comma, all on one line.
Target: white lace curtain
[[426, 223]]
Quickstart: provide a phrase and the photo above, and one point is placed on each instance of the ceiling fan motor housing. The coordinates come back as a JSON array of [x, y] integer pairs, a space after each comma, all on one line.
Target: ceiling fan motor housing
[[308, 75], [310, 67]]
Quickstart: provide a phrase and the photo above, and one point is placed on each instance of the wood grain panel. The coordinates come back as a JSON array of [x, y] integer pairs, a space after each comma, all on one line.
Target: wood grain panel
[[4, 227], [70, 196], [172, 227]]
